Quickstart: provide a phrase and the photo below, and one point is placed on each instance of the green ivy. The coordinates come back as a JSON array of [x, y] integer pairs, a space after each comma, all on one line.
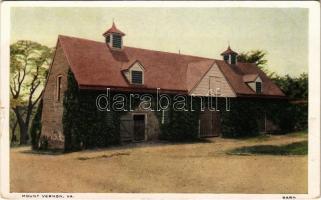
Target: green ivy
[[84, 126], [35, 130]]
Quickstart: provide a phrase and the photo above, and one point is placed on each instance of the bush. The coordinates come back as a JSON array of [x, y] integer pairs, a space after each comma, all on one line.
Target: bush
[[242, 119], [245, 115], [181, 125], [44, 142]]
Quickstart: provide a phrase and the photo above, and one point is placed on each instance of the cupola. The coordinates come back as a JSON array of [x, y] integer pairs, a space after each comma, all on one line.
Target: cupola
[[114, 37], [230, 56]]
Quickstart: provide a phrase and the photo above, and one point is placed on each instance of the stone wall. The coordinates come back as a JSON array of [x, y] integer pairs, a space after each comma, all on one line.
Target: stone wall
[[152, 129], [52, 130]]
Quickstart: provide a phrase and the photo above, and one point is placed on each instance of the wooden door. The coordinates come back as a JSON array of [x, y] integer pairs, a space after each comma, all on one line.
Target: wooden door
[[126, 128], [139, 127], [210, 124], [216, 123]]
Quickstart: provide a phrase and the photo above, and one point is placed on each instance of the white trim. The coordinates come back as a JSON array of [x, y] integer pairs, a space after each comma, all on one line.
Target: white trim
[[163, 116], [192, 91]]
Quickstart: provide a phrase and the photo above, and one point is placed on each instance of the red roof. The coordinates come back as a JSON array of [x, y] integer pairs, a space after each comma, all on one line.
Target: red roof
[[96, 66], [250, 77], [234, 75], [196, 71], [113, 29]]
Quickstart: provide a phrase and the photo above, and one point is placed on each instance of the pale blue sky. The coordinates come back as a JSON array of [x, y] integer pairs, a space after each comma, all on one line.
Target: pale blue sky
[[281, 32]]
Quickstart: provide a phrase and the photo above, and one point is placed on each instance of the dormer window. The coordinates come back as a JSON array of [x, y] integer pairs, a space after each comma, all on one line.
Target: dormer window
[[254, 82], [137, 77], [134, 74]]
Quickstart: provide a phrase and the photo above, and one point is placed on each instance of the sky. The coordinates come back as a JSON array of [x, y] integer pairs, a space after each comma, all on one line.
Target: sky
[[205, 32]]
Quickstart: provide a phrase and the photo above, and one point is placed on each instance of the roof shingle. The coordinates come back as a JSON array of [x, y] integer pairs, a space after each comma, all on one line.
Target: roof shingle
[[95, 65]]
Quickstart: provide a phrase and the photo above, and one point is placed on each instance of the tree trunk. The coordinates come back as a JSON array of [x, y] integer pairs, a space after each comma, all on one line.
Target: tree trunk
[[22, 126], [13, 133]]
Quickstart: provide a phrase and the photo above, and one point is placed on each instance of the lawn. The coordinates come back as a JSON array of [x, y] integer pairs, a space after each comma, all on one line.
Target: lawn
[[203, 167]]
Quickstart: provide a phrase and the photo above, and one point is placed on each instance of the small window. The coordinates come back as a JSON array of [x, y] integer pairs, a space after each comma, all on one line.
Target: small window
[[107, 38], [226, 57], [258, 86], [233, 59], [117, 41], [137, 77], [58, 87]]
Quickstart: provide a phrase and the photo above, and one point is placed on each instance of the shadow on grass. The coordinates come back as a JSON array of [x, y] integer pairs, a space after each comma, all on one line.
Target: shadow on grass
[[261, 136], [156, 143], [296, 148], [123, 146], [105, 156], [53, 152]]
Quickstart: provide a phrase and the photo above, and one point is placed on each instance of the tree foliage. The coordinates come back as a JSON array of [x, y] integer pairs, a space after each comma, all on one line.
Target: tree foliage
[[29, 62], [257, 57], [293, 87]]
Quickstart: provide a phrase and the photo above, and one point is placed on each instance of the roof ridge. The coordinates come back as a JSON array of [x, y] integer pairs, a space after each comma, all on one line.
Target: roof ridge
[[214, 59], [89, 40], [78, 38], [171, 53]]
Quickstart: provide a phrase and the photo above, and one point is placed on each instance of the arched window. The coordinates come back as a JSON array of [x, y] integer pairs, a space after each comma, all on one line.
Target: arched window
[[58, 87]]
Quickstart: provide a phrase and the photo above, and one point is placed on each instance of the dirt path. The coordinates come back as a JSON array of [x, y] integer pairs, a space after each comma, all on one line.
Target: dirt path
[[196, 167]]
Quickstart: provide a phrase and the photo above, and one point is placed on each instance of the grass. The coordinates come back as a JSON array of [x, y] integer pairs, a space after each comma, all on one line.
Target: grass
[[299, 134], [260, 138], [296, 148]]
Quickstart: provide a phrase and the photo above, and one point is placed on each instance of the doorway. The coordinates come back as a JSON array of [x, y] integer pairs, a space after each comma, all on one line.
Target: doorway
[[139, 127], [210, 124]]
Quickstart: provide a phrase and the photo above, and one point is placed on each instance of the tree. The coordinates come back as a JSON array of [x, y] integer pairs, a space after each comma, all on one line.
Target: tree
[[29, 62], [293, 87], [257, 57]]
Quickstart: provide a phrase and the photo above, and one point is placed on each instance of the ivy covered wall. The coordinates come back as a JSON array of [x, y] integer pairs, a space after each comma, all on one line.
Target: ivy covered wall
[[85, 126]]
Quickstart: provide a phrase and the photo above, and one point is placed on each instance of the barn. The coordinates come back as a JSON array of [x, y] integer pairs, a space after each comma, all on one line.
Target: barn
[[108, 64]]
